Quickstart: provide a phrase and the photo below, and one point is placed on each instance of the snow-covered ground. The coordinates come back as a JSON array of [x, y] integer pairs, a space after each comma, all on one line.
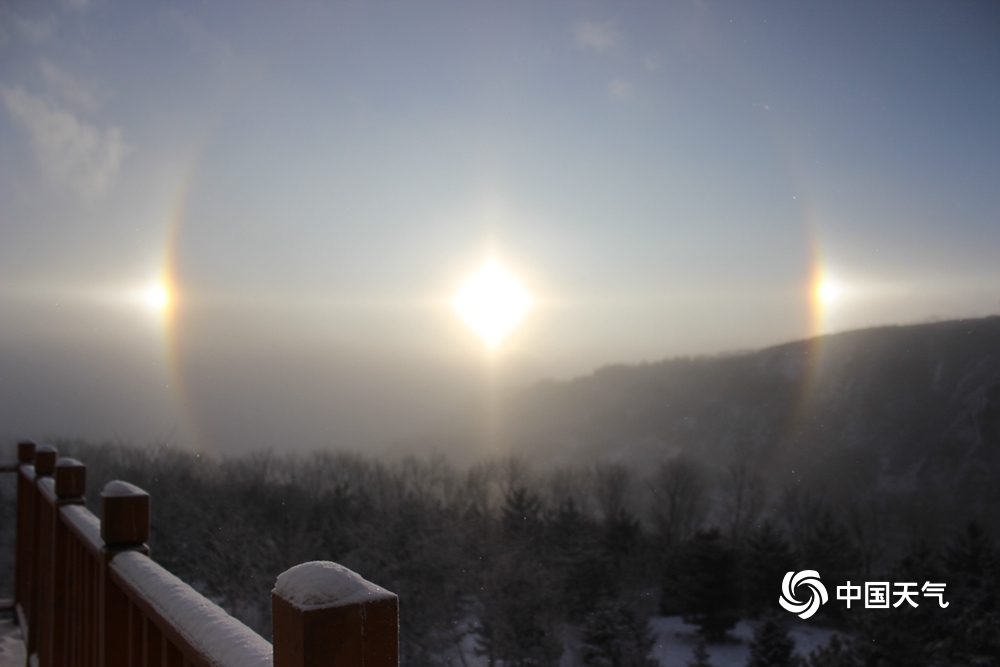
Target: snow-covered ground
[[675, 642]]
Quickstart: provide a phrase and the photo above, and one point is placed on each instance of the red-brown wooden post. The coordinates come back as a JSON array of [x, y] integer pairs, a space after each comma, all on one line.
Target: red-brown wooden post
[[124, 527], [25, 516], [71, 484], [325, 615], [41, 549]]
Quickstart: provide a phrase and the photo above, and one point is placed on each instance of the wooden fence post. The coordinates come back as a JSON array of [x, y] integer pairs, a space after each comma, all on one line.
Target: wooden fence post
[[71, 484], [325, 615], [25, 515], [124, 527], [41, 549]]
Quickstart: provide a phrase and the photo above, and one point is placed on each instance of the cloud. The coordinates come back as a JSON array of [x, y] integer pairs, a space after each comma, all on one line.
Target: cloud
[[67, 87], [36, 29], [37, 21], [69, 151], [598, 36], [619, 88]]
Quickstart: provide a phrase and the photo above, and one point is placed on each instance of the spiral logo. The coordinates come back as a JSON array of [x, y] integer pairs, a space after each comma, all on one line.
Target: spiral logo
[[817, 593]]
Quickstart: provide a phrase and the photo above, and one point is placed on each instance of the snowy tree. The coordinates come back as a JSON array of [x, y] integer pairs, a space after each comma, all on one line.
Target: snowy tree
[[822, 543], [771, 646], [907, 637], [708, 585], [973, 569], [835, 653], [700, 655], [971, 557], [582, 572], [516, 615], [767, 557], [521, 515], [615, 636]]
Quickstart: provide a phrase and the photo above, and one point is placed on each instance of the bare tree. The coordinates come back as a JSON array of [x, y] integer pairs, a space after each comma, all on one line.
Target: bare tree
[[514, 474], [866, 521], [612, 483], [743, 500], [567, 485], [478, 492], [679, 500]]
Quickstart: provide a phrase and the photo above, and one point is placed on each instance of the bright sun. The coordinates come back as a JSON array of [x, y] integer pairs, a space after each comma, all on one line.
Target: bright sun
[[827, 291], [492, 302], [157, 297]]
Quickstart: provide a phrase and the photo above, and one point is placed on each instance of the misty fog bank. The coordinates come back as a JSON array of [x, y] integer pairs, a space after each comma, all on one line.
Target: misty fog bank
[[881, 399]]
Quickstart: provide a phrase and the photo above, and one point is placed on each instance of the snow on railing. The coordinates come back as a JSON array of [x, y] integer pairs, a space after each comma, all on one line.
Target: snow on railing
[[88, 595]]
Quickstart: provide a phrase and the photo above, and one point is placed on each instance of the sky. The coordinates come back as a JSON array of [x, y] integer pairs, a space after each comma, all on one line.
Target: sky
[[310, 184]]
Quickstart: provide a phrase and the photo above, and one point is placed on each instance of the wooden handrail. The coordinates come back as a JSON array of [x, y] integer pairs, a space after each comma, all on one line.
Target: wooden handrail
[[196, 628], [88, 595]]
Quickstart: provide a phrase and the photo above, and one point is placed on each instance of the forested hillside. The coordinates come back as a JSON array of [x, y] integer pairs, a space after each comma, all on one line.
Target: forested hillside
[[904, 413]]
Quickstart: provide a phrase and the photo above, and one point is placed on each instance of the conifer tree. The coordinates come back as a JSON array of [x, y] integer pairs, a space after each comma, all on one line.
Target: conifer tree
[[906, 636], [835, 653], [521, 515], [708, 585], [622, 535], [973, 573], [615, 636], [971, 557], [700, 655], [766, 559], [771, 646], [583, 573], [828, 548], [516, 624]]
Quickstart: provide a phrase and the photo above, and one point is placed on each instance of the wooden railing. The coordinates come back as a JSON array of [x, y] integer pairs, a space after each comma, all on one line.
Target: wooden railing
[[88, 595]]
